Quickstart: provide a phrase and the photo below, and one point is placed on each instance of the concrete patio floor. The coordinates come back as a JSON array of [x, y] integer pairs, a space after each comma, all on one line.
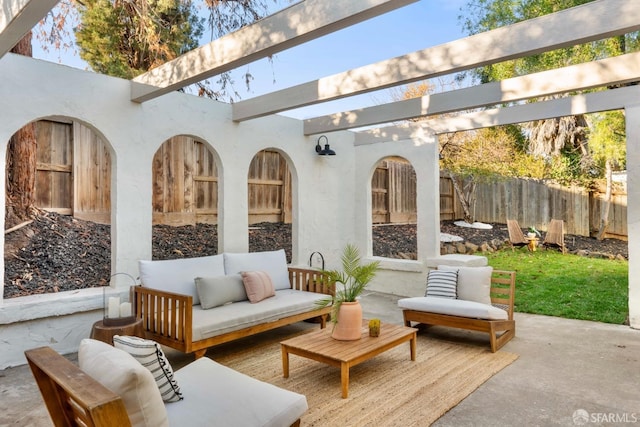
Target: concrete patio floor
[[567, 369]]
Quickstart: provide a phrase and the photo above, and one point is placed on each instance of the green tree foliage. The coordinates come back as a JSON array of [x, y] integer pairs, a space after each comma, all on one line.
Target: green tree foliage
[[127, 38], [124, 38], [562, 141]]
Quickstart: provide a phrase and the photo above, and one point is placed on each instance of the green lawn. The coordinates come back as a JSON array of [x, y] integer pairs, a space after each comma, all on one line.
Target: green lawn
[[570, 286]]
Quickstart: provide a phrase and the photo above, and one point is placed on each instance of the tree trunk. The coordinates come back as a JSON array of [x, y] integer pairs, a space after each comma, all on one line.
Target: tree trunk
[[604, 215], [463, 197], [21, 162]]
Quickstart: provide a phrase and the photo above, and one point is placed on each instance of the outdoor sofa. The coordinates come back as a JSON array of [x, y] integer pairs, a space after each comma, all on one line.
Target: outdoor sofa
[[191, 304], [111, 387], [472, 298]]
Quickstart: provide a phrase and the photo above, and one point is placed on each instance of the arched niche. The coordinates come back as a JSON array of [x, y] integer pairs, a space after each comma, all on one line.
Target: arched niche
[[72, 197], [394, 208], [185, 199], [270, 202]]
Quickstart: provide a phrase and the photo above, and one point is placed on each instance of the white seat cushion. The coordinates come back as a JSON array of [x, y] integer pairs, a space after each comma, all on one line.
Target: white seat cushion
[[118, 371], [177, 275], [215, 395], [474, 283], [231, 317], [273, 262], [454, 307]]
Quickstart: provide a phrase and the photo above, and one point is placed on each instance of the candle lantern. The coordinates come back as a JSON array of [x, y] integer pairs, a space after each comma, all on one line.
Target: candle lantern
[[117, 310]]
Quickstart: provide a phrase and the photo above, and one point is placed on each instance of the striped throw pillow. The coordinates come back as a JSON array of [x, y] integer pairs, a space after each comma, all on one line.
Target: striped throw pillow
[[442, 284], [150, 355]]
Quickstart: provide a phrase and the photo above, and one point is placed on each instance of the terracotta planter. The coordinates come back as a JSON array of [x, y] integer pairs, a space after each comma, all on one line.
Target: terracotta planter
[[349, 324]]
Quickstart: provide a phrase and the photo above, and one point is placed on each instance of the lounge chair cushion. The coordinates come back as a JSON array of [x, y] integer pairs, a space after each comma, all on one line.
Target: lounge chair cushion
[[273, 262], [219, 396], [454, 307], [150, 355], [220, 290], [258, 285], [122, 374], [176, 275], [442, 284], [474, 283]]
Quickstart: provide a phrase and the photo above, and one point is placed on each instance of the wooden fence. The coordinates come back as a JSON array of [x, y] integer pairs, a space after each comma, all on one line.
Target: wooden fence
[[74, 177]]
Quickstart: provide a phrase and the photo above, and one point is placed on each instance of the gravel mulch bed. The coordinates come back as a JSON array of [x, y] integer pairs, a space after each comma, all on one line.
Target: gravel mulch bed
[[58, 253]]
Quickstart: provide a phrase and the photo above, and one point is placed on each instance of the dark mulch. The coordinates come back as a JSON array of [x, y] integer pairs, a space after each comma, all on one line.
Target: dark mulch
[[59, 253]]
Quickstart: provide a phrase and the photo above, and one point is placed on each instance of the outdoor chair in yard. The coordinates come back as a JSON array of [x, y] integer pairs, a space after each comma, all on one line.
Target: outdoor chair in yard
[[555, 235], [516, 237]]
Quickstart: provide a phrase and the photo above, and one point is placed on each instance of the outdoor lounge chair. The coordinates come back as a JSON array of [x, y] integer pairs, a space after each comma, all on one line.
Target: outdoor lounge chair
[[555, 235], [516, 237]]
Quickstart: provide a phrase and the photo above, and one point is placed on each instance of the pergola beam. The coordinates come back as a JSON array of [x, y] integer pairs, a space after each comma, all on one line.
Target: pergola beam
[[18, 17], [578, 104], [591, 21], [611, 71], [290, 27]]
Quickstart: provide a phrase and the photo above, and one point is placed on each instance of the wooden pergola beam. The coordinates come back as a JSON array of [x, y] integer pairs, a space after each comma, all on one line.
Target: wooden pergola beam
[[18, 17], [290, 27], [611, 71], [588, 22]]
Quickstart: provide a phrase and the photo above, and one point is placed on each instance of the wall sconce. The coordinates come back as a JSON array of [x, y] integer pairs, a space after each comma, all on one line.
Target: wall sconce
[[326, 151]]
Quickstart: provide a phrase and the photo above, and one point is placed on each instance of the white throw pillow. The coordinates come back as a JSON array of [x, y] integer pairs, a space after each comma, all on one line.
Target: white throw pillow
[[220, 290], [474, 283], [125, 376], [150, 355], [273, 262], [442, 284]]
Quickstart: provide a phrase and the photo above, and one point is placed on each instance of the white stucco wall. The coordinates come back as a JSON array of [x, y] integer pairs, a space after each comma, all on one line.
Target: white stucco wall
[[326, 215], [632, 115]]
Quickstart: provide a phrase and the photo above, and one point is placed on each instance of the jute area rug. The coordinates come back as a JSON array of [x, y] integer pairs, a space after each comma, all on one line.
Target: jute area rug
[[388, 390]]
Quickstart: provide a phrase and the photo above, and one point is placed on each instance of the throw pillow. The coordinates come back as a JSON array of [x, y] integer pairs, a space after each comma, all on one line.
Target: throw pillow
[[220, 290], [442, 284], [273, 262], [474, 283], [150, 355], [123, 375], [258, 285]]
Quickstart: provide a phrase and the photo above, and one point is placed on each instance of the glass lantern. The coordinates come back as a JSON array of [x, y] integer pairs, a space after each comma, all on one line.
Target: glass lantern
[[117, 310]]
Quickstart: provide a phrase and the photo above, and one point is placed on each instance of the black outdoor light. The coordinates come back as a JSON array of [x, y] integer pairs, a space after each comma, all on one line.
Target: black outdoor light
[[326, 151]]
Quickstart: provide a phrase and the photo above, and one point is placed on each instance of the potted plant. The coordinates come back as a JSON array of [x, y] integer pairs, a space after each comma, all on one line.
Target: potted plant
[[533, 233], [350, 282]]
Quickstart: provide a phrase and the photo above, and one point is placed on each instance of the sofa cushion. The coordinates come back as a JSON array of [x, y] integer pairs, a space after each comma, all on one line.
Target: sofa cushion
[[273, 262], [176, 275], [454, 307], [258, 285], [474, 283], [442, 284], [243, 314], [122, 374], [220, 290], [150, 355], [221, 396]]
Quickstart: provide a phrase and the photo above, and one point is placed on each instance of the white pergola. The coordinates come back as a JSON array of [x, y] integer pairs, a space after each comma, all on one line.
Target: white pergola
[[310, 19]]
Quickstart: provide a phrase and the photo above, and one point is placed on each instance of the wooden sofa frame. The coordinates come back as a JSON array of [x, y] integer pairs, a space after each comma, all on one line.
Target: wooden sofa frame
[[167, 317], [503, 285], [74, 398]]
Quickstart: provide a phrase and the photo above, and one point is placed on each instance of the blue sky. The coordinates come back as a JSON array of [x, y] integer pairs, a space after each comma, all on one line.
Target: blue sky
[[414, 27]]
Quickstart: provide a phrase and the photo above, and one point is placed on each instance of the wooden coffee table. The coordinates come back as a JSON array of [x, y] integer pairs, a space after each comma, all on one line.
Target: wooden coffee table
[[319, 346]]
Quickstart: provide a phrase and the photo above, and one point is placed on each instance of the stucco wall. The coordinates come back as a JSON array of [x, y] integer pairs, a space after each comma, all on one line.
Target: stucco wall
[[331, 199]]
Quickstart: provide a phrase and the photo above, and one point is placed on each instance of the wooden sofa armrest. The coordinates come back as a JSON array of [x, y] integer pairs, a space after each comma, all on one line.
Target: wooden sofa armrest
[[73, 397], [308, 279], [166, 316], [503, 290]]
